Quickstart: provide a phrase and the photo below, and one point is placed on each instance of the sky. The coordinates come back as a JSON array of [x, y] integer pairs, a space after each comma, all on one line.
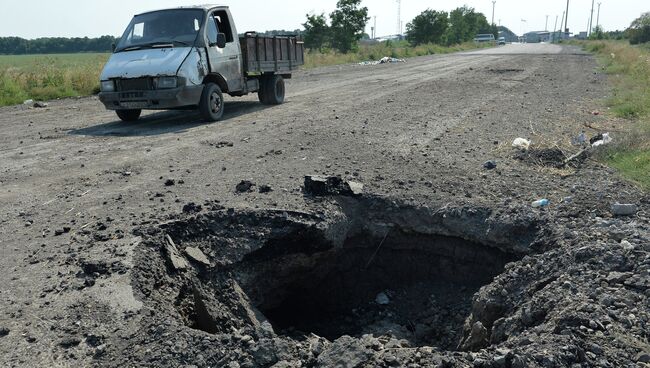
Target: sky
[[93, 18]]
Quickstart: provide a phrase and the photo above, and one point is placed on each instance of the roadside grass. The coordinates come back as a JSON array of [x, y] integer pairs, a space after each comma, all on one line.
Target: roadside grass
[[628, 68], [395, 49], [47, 77]]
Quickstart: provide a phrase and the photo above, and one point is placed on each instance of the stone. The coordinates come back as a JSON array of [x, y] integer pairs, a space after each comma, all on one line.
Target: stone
[[624, 209], [170, 182], [382, 299], [4, 331], [490, 165], [643, 357], [178, 262], [196, 255], [318, 186], [265, 189], [345, 352], [244, 186]]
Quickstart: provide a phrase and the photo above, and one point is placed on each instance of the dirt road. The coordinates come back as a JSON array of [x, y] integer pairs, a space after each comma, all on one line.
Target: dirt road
[[82, 196]]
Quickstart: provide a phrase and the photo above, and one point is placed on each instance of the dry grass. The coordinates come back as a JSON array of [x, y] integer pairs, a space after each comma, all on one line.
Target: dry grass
[[629, 70]]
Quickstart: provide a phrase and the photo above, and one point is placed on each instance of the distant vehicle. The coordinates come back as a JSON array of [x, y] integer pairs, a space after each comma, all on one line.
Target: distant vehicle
[[188, 58], [502, 41], [481, 38]]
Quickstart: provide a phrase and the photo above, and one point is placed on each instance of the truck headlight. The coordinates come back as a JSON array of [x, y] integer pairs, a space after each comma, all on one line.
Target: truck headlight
[[108, 86], [167, 82]]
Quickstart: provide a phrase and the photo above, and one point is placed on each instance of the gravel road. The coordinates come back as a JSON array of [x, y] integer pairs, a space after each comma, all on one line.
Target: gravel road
[[77, 188]]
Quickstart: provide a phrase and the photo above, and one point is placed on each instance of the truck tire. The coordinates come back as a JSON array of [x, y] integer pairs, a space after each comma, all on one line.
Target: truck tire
[[211, 104], [128, 115], [261, 93], [274, 90]]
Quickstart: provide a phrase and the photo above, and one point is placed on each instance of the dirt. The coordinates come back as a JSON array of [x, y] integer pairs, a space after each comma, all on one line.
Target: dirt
[[173, 242]]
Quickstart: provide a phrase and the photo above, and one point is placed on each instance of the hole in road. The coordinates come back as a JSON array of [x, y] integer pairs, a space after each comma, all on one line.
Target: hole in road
[[415, 287]]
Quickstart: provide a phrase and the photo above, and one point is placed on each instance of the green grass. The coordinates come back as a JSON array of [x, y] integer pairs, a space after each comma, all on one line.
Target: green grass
[[628, 68], [47, 77], [396, 49]]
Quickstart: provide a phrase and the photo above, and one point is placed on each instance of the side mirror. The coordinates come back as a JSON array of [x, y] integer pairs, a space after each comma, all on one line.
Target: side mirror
[[221, 40], [113, 47]]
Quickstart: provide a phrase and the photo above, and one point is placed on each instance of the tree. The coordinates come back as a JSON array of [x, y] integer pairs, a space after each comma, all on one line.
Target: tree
[[639, 31], [317, 32], [428, 27], [348, 23], [597, 33], [465, 23]]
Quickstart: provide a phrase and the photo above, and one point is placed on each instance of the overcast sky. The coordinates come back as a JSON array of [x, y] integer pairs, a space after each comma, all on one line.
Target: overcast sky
[[79, 18]]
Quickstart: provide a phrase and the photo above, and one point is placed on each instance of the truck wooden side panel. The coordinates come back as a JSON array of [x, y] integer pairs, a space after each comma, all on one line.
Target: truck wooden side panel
[[279, 54]]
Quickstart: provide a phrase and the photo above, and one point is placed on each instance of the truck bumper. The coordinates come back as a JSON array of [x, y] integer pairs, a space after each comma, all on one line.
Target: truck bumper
[[152, 100]]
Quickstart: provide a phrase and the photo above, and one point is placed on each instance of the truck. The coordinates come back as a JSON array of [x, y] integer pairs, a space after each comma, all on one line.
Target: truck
[[188, 58]]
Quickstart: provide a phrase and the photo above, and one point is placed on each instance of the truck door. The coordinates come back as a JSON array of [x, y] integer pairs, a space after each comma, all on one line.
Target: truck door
[[226, 61]]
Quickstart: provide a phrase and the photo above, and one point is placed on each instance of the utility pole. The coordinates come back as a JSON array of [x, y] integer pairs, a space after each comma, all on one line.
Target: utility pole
[[494, 3], [598, 17], [566, 21], [591, 19], [546, 26], [399, 17], [374, 29], [555, 29], [561, 23]]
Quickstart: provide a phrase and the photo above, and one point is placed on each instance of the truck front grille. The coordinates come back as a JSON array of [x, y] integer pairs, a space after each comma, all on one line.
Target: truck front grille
[[136, 84]]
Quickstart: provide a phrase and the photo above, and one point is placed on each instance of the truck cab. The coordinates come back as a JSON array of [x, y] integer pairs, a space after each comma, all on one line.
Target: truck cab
[[188, 57]]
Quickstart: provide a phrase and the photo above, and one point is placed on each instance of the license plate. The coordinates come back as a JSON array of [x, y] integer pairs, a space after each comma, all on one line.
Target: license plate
[[134, 104]]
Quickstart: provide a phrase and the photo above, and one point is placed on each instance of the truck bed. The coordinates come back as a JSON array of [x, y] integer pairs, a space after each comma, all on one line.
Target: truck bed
[[277, 54]]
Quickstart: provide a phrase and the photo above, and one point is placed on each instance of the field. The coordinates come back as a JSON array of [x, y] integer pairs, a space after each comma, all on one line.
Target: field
[[628, 68], [46, 77]]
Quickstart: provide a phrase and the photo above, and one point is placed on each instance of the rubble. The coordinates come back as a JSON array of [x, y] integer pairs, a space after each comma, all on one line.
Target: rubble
[[319, 186]]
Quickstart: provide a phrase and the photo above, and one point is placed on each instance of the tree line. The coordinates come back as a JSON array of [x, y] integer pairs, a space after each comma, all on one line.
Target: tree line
[[55, 45]]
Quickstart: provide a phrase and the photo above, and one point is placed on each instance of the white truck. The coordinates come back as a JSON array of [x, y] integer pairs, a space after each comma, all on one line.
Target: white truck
[[188, 57]]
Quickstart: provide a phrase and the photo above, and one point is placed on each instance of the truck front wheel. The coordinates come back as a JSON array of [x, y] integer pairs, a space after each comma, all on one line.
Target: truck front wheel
[[211, 104], [273, 90], [128, 115]]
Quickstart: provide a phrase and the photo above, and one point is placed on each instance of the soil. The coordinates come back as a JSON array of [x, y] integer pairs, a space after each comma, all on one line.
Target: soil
[[172, 242]]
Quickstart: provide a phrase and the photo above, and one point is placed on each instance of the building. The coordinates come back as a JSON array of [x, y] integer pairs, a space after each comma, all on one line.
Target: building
[[537, 37]]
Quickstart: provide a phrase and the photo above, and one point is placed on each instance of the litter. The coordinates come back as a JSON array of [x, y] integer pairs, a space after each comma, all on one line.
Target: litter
[[384, 60], [521, 143], [580, 140], [604, 139], [541, 203]]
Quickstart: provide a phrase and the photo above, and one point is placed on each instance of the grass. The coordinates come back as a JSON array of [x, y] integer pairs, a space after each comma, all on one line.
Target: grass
[[47, 77], [629, 70], [395, 49]]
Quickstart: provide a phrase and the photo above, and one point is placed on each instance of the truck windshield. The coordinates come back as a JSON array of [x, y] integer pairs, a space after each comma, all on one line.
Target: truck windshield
[[166, 28]]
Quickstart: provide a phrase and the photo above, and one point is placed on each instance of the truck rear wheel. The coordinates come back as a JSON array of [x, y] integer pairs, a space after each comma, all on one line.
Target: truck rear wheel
[[211, 104], [128, 115], [273, 87]]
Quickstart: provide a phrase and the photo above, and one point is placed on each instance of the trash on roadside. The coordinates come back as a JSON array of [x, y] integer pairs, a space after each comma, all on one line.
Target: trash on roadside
[[579, 140], [624, 209], [603, 140], [28, 102], [541, 203], [521, 143], [384, 60], [40, 105], [490, 165]]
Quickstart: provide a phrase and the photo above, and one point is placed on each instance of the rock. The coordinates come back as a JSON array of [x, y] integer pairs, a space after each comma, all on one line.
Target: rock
[[617, 277], [345, 352], [40, 105], [382, 299], [245, 186], [197, 256], [318, 186], [643, 357], [4, 331], [192, 208], [478, 337], [490, 165], [265, 189], [170, 182], [69, 342], [178, 262], [624, 209]]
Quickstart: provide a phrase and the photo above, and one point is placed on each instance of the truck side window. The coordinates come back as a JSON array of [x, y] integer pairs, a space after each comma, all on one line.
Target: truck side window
[[221, 17], [138, 31], [212, 30]]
